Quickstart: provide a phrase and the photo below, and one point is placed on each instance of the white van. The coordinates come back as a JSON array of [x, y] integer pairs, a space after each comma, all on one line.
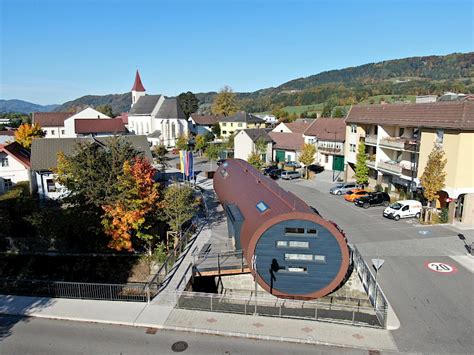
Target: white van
[[403, 209]]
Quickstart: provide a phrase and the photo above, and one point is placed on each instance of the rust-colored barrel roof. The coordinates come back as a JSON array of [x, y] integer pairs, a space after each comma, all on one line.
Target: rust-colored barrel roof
[[237, 182]]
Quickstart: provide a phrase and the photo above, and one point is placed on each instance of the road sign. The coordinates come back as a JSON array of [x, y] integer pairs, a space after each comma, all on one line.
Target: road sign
[[377, 263], [441, 268]]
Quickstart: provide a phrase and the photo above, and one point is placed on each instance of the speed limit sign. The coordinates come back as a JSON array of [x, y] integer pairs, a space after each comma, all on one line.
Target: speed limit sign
[[442, 268]]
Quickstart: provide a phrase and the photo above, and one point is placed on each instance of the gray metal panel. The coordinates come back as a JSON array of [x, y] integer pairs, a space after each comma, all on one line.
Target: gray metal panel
[[144, 105], [318, 275], [235, 219]]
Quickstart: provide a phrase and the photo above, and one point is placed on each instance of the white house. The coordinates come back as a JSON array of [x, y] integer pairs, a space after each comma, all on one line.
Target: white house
[[287, 146], [63, 124], [44, 154], [156, 116], [298, 126], [14, 166], [244, 143], [328, 135], [202, 124]]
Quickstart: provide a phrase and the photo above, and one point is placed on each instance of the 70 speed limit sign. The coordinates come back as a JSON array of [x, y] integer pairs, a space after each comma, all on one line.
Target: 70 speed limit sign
[[442, 268]]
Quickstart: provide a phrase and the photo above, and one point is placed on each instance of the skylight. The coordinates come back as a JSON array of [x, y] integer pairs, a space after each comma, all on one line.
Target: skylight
[[262, 206]]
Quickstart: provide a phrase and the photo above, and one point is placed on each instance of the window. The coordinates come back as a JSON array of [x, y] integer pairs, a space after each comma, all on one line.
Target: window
[[52, 132], [7, 183], [232, 124], [296, 269], [326, 158], [303, 257], [262, 206], [320, 258], [224, 132], [50, 185], [239, 124], [401, 131], [312, 231], [297, 244], [439, 136], [4, 162], [353, 128], [282, 243], [224, 124], [352, 148], [290, 230], [62, 131]]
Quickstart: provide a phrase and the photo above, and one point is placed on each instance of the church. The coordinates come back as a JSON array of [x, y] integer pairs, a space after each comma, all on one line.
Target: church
[[160, 118]]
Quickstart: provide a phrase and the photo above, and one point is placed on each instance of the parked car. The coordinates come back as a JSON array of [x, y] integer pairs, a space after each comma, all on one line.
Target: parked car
[[373, 199], [351, 195], [293, 164], [315, 168], [269, 169], [275, 174], [403, 209], [342, 188], [290, 175]]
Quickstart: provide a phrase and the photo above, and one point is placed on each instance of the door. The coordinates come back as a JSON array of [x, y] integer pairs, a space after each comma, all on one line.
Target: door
[[280, 156], [338, 163]]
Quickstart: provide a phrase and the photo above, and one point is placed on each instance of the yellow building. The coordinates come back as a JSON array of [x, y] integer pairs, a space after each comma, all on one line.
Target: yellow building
[[399, 138], [241, 120]]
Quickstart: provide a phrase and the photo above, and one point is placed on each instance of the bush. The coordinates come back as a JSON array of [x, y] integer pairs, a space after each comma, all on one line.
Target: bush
[[443, 215], [378, 188]]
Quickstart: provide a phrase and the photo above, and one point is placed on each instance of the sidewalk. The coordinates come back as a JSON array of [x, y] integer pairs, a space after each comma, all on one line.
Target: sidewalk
[[160, 313]]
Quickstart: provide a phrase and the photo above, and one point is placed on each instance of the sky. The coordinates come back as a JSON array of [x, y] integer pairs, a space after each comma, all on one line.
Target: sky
[[53, 51]]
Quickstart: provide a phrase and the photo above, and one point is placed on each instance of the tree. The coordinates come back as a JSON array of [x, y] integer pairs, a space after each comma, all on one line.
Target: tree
[[90, 173], [160, 153], [209, 136], [225, 102], [216, 129], [434, 176], [178, 206], [361, 169], [188, 102], [133, 213], [182, 142], [261, 147], [201, 143], [212, 152], [105, 109], [26, 132], [339, 112], [255, 160], [307, 156]]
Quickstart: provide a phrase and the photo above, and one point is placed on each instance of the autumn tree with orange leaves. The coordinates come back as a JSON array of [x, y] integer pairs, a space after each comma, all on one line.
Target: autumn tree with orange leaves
[[131, 216], [26, 132]]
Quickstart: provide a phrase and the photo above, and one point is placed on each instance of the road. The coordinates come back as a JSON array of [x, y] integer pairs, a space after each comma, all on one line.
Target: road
[[436, 310], [42, 336]]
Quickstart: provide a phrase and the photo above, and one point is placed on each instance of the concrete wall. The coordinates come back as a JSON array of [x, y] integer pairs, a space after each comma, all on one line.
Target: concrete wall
[[281, 128], [468, 210], [243, 146], [54, 132]]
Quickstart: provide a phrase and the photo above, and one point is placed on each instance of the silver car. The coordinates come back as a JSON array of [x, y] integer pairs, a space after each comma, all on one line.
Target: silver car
[[342, 188], [290, 175]]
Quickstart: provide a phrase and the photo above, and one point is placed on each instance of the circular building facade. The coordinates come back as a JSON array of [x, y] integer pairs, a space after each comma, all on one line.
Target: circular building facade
[[292, 251]]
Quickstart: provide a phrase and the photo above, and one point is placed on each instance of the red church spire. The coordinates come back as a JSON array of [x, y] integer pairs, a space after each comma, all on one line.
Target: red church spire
[[138, 86]]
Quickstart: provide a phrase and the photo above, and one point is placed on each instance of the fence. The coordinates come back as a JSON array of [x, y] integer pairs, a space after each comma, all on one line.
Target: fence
[[275, 307], [376, 296], [137, 292]]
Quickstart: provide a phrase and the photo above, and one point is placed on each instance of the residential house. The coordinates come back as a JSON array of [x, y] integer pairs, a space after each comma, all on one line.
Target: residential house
[[44, 154], [269, 119], [298, 126], [328, 134], [14, 166], [241, 120], [156, 116], [399, 138], [202, 124], [63, 124], [7, 137], [287, 146], [244, 144]]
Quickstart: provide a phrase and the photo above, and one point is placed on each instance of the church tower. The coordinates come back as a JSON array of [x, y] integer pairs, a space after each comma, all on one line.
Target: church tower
[[137, 89]]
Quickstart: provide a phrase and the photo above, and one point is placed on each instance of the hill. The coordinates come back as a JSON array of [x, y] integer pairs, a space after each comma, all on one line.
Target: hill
[[24, 106], [119, 102]]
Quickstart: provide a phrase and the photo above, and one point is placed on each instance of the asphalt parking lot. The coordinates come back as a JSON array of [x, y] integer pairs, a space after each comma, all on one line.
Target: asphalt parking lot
[[435, 309]]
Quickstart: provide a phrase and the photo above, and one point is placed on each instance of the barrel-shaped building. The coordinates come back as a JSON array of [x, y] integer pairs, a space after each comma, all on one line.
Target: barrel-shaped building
[[293, 252]]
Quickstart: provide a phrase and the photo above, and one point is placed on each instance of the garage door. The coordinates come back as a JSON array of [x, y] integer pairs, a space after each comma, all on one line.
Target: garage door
[[280, 156]]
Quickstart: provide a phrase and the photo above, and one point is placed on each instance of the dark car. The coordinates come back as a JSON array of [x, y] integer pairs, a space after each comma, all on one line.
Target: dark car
[[270, 169], [275, 174], [315, 168], [373, 199]]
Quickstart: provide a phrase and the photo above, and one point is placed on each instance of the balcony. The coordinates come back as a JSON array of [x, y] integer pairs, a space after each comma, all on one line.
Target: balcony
[[331, 151], [390, 166], [370, 163], [370, 139], [398, 143]]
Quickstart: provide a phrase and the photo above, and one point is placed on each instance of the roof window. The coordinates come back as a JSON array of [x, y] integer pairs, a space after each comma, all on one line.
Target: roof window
[[262, 206]]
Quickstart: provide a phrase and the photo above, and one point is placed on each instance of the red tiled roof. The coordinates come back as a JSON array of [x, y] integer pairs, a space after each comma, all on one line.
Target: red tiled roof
[[18, 152], [94, 125], [287, 141], [327, 129], [206, 119], [452, 114], [137, 85], [298, 126], [51, 119], [124, 117]]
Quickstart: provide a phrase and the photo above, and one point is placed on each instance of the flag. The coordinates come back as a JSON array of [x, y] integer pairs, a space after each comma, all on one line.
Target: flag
[[190, 164], [182, 154]]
